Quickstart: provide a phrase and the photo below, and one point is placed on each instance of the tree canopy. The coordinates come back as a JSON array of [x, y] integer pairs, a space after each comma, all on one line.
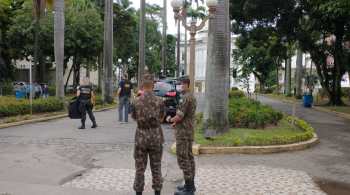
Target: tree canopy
[[319, 27]]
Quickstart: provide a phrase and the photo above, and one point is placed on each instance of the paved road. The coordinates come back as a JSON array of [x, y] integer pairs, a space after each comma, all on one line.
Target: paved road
[[45, 158]]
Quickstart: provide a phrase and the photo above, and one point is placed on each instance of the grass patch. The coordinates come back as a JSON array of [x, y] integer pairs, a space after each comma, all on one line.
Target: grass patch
[[284, 133], [342, 109]]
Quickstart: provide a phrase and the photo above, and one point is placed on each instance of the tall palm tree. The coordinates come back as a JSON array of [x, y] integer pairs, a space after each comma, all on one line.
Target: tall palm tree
[[59, 46], [38, 12], [217, 73], [108, 51], [299, 74], [141, 66]]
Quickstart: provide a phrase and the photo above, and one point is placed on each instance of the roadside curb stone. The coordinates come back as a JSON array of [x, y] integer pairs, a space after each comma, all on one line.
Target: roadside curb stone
[[198, 149]]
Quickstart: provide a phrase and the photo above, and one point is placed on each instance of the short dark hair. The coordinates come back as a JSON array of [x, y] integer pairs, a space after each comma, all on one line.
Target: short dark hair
[[185, 80]]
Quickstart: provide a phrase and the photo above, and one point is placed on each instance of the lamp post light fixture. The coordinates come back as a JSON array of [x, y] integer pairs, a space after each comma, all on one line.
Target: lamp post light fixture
[[193, 28]]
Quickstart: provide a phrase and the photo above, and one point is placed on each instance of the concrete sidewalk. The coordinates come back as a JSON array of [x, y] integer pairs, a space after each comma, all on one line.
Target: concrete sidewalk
[[54, 157]]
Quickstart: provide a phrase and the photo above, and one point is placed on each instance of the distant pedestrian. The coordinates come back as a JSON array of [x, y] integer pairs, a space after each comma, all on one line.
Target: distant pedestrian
[[124, 94], [45, 91], [85, 95], [149, 111], [184, 134]]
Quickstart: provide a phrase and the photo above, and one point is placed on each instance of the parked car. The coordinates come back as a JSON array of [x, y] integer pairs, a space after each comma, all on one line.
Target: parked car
[[167, 91]]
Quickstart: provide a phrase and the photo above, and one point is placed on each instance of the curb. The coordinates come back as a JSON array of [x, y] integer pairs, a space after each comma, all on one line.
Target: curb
[[318, 108], [195, 149], [340, 114], [7, 125], [198, 149], [260, 149], [282, 100]]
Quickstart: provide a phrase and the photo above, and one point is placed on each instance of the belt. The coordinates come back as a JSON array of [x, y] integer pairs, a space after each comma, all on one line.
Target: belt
[[148, 126]]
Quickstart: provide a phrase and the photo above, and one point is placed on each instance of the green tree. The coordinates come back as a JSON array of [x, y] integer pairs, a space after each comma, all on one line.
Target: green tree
[[309, 22], [84, 35], [323, 31], [171, 62], [21, 38], [8, 10]]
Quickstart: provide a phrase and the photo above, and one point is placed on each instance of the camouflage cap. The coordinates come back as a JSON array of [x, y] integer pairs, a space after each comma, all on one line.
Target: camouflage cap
[[148, 78]]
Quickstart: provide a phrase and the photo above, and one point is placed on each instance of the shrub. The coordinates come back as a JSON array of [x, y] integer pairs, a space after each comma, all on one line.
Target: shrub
[[236, 94], [52, 90], [247, 113], [6, 88], [9, 106], [99, 100], [345, 92]]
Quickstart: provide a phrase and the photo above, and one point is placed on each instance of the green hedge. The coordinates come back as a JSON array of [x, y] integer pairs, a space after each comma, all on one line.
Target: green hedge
[[345, 92], [52, 90], [236, 94], [306, 134], [6, 88], [247, 113], [9, 106]]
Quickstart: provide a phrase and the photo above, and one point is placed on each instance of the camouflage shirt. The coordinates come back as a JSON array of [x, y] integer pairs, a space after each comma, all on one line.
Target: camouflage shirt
[[148, 110], [187, 113]]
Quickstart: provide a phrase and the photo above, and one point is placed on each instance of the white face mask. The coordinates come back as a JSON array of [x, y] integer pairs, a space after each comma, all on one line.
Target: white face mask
[[179, 88]]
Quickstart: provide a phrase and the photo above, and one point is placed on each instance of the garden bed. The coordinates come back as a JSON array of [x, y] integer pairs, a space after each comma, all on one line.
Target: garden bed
[[254, 124], [289, 130]]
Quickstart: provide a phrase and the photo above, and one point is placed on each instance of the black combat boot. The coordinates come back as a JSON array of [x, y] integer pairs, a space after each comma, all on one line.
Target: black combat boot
[[188, 188], [182, 187], [138, 193], [82, 126], [94, 125], [156, 192]]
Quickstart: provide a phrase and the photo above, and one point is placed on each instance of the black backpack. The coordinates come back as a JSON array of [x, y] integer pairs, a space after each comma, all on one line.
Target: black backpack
[[73, 109]]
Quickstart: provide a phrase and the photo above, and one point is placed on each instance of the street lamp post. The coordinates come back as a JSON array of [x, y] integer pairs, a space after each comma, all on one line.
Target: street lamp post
[[178, 49], [193, 29]]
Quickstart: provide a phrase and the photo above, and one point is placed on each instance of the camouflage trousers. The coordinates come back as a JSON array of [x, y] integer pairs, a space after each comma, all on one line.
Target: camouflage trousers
[[185, 158], [141, 154]]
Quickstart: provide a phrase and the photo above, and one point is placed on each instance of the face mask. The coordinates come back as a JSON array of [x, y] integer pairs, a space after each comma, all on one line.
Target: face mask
[[179, 88]]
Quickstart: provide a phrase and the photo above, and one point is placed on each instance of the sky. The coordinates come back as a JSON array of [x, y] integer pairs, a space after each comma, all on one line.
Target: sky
[[170, 13]]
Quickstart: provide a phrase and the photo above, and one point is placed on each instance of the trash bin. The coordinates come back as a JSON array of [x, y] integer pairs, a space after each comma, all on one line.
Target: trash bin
[[18, 94], [308, 100]]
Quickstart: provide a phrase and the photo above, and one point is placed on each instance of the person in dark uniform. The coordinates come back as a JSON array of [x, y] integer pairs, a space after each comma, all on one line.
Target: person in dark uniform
[[85, 94], [148, 110]]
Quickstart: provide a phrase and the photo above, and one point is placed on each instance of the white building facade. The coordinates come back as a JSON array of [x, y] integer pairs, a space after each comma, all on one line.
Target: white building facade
[[201, 61]]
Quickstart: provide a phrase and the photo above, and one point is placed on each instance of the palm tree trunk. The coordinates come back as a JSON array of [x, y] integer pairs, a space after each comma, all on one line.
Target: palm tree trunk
[[217, 72], [35, 68], [59, 46], [141, 66], [299, 74], [288, 83], [108, 51]]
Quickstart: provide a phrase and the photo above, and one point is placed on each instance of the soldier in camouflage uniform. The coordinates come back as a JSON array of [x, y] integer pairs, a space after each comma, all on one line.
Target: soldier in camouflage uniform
[[184, 132], [149, 111]]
